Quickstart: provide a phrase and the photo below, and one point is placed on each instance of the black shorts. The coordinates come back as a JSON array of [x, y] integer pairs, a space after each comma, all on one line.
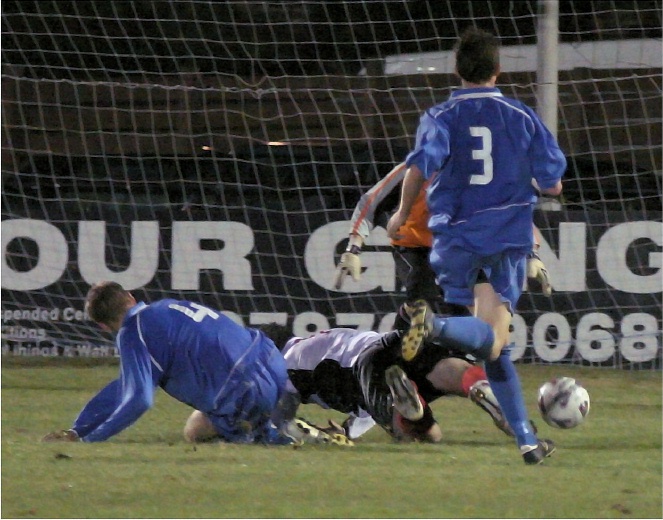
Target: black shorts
[[385, 352], [416, 275]]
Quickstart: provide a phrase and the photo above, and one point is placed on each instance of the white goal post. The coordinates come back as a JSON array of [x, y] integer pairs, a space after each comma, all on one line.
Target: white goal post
[[214, 151]]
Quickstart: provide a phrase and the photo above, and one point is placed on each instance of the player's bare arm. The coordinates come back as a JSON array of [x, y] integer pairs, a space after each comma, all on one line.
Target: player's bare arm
[[412, 184]]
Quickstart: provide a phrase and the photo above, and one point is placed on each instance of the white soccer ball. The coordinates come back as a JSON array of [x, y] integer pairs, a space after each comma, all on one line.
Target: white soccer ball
[[563, 402]]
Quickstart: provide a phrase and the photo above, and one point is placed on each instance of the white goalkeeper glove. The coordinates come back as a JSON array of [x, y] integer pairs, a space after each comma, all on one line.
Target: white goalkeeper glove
[[536, 270], [350, 264]]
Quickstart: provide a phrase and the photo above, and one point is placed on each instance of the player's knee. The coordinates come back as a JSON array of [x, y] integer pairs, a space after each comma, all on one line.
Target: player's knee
[[198, 428], [498, 346], [434, 434], [501, 337], [190, 427]]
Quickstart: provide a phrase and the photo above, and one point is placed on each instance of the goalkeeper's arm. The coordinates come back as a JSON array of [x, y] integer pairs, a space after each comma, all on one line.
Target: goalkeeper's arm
[[362, 224]]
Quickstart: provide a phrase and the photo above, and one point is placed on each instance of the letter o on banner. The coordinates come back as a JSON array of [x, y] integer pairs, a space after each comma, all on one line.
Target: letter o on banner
[[52, 259]]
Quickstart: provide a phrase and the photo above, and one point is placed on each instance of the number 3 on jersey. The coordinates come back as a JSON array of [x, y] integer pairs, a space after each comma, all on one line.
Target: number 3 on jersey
[[483, 154]]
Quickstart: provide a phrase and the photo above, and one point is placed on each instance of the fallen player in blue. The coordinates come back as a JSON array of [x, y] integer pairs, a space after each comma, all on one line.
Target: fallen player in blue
[[233, 376]]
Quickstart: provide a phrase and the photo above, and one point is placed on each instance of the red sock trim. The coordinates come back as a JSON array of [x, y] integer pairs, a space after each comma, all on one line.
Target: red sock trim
[[471, 376]]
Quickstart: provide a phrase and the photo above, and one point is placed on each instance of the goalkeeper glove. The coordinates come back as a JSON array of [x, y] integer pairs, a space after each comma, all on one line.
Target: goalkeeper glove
[[61, 436], [303, 432], [350, 264], [536, 270]]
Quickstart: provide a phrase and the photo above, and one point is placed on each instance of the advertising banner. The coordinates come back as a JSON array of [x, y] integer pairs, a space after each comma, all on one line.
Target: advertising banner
[[606, 272]]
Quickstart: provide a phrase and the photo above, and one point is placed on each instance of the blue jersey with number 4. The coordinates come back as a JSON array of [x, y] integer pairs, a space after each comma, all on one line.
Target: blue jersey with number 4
[[482, 151], [199, 356]]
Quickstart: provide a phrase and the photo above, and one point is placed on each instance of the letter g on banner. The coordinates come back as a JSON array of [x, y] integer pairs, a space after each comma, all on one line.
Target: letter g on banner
[[611, 258]]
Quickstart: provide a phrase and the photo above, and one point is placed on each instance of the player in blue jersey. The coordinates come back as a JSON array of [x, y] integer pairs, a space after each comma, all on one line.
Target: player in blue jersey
[[233, 376], [484, 156]]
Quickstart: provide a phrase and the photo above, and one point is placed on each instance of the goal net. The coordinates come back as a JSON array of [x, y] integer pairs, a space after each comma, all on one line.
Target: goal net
[[215, 151]]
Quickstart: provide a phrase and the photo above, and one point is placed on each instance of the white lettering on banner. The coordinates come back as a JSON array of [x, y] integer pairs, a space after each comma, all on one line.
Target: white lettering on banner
[[639, 331], [308, 323], [547, 350], [378, 267], [187, 262], [51, 348], [144, 254], [568, 271], [595, 341], [51, 260], [189, 259], [23, 333], [359, 321], [611, 257], [265, 318], [71, 314], [37, 314]]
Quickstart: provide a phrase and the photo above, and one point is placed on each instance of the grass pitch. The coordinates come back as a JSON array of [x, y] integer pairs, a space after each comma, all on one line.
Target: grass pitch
[[609, 467]]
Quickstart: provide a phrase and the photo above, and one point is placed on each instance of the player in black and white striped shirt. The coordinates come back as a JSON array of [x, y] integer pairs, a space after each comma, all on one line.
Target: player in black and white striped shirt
[[352, 372]]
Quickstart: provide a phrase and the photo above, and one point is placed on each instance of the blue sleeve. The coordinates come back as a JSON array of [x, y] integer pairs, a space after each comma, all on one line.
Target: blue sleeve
[[133, 391], [547, 159], [432, 146], [98, 409]]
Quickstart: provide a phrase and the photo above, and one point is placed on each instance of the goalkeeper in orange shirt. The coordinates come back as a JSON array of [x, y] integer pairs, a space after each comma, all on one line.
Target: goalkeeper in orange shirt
[[411, 251]]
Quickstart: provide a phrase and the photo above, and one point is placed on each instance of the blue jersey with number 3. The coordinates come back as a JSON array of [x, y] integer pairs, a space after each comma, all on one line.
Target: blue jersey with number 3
[[233, 374], [482, 151]]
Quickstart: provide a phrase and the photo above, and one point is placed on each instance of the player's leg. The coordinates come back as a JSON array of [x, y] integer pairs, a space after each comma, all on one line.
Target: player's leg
[[456, 376], [415, 273], [456, 271], [378, 398], [404, 394], [412, 416], [494, 302], [463, 333]]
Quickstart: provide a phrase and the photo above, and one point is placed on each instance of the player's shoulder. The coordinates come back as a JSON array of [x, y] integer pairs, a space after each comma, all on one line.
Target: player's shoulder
[[435, 111], [164, 305], [516, 105]]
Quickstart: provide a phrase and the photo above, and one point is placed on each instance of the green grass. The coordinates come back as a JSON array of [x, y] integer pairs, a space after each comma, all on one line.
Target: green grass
[[609, 467]]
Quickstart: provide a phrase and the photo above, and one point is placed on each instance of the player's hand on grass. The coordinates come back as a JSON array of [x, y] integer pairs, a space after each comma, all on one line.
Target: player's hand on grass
[[536, 270], [350, 263], [61, 436]]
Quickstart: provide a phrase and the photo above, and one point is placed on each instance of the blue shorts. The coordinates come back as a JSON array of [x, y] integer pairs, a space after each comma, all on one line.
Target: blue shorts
[[457, 271], [245, 408]]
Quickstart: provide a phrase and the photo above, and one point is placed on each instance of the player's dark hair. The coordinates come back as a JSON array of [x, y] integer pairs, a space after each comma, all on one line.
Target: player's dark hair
[[279, 334], [106, 302], [477, 55]]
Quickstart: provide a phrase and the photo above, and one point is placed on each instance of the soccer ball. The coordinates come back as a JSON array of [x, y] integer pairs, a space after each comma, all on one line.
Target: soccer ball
[[563, 402]]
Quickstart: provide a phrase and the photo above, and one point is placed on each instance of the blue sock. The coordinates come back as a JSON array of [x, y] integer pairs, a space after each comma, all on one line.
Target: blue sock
[[467, 334], [504, 381]]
